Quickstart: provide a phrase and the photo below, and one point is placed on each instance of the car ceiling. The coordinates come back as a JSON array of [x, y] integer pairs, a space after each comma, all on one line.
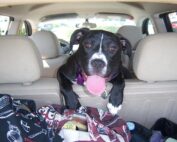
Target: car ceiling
[[16, 2], [85, 9]]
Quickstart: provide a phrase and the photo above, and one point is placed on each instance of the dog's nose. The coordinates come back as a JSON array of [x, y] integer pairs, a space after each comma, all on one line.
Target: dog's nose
[[97, 63]]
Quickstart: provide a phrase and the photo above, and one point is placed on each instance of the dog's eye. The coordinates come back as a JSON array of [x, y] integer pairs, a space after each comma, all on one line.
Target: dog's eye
[[87, 45], [112, 49]]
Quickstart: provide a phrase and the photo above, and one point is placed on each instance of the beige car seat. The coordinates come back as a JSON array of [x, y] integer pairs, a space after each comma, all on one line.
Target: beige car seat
[[20, 72], [47, 44]]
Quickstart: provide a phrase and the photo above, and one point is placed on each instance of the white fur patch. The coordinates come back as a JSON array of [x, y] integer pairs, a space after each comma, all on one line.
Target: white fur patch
[[99, 55], [112, 109]]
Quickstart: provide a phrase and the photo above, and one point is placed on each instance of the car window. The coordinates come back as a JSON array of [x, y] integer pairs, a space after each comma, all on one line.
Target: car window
[[25, 29], [4, 24], [147, 27], [22, 30], [173, 20], [63, 28], [150, 28]]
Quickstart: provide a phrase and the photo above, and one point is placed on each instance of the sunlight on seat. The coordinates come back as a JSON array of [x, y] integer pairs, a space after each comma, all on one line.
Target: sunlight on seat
[[45, 64]]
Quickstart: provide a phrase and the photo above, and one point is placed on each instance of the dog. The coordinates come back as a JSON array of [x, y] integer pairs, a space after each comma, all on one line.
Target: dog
[[99, 53]]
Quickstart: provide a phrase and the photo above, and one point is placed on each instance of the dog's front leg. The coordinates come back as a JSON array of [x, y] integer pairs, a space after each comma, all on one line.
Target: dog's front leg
[[116, 94], [71, 98]]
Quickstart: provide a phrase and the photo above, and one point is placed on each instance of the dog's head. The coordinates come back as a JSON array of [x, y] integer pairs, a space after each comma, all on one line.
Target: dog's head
[[99, 52]]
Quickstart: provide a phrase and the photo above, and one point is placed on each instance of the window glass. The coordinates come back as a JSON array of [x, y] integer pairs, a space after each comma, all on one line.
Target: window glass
[[173, 20], [150, 28], [63, 28], [4, 24], [22, 30]]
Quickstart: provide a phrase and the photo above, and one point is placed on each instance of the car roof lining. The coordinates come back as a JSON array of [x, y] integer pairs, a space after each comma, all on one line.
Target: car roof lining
[[85, 9], [17, 2]]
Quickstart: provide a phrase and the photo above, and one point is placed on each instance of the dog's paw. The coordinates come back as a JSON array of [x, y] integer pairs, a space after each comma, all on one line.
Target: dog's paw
[[71, 100], [73, 105], [114, 109]]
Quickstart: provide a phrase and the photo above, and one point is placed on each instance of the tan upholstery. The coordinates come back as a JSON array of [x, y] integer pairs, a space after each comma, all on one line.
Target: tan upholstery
[[20, 72], [155, 58], [18, 61], [146, 102], [51, 65], [44, 91], [132, 33], [47, 44], [154, 62]]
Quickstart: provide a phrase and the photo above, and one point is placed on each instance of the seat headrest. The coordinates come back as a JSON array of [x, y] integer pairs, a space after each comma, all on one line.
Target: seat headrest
[[47, 44], [132, 33], [19, 60], [155, 58]]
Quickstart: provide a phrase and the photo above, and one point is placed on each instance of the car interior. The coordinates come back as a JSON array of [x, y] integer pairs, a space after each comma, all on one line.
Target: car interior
[[35, 43]]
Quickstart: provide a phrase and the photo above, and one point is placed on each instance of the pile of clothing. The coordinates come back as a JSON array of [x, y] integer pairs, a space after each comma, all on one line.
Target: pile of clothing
[[163, 130], [21, 122]]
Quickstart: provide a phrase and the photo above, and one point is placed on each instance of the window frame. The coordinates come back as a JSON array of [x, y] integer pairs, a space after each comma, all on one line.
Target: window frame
[[145, 26], [27, 28], [167, 21], [8, 26]]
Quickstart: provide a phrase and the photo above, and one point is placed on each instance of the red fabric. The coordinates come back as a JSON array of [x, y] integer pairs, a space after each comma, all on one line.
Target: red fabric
[[98, 122]]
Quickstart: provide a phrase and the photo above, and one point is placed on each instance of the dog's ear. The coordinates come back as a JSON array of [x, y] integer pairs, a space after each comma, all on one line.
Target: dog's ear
[[77, 36], [126, 45]]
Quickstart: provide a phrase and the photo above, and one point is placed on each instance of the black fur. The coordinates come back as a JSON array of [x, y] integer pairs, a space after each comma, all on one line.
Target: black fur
[[89, 43]]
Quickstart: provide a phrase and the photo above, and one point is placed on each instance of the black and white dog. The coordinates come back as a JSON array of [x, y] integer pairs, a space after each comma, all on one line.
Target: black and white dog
[[99, 53]]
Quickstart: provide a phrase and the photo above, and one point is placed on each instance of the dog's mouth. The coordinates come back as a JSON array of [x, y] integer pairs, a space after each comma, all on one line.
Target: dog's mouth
[[86, 76], [94, 83]]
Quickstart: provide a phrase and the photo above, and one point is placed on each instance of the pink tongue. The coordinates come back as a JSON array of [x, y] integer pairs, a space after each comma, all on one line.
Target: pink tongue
[[95, 85]]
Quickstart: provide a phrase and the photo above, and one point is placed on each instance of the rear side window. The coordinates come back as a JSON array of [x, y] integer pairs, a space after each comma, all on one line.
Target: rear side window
[[173, 20], [25, 29], [67, 26], [22, 30], [150, 28], [4, 24], [147, 27]]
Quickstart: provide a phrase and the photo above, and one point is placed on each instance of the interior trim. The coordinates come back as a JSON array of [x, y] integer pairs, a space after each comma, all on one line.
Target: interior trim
[[17, 2]]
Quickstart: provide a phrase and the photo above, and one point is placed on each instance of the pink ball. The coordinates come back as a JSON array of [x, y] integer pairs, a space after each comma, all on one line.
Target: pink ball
[[95, 85]]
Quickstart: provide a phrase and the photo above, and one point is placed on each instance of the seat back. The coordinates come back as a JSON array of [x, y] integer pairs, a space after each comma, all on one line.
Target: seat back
[[133, 34], [155, 58], [154, 95], [147, 102], [47, 44], [20, 72]]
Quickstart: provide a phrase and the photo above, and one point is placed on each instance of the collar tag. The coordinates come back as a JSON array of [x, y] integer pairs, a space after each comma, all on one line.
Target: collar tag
[[105, 94]]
